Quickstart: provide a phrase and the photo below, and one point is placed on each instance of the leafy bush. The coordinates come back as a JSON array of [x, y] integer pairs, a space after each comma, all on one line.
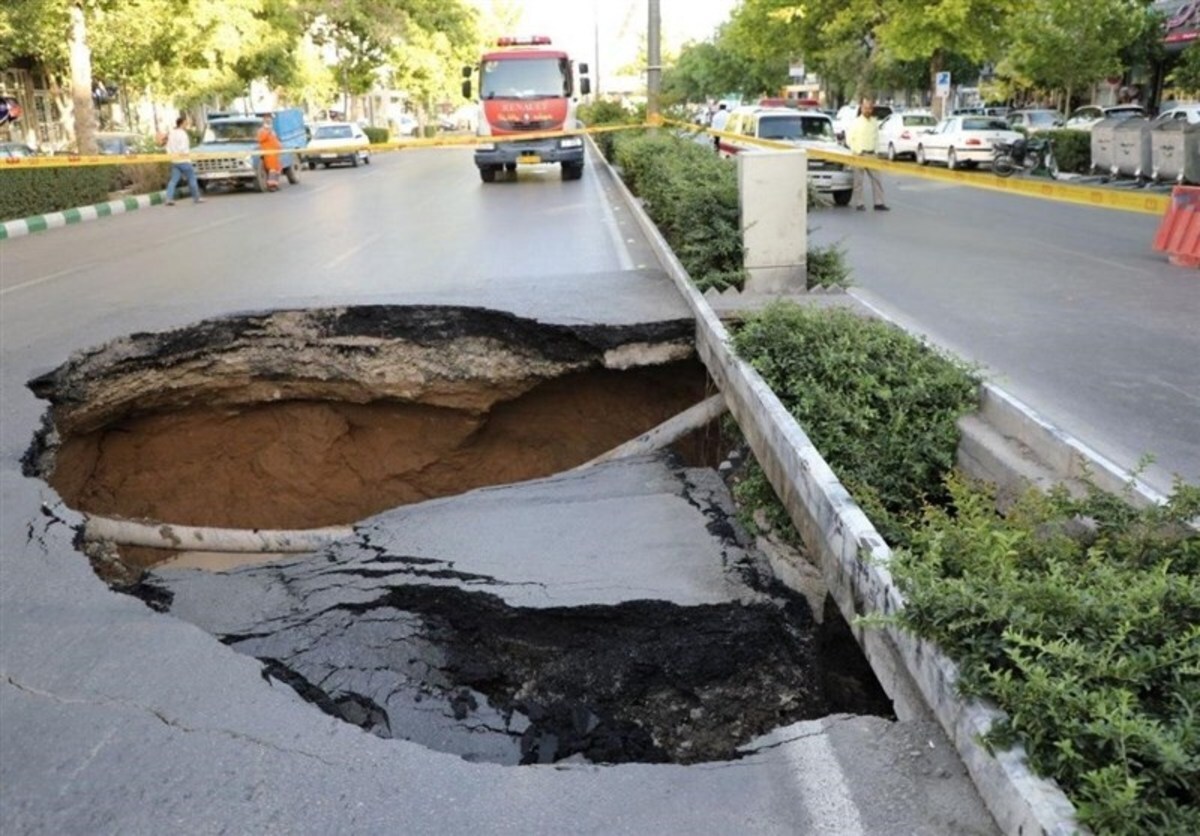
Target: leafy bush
[[880, 405], [692, 196], [143, 178], [1072, 150], [376, 136], [606, 114], [38, 191], [1081, 619], [827, 267]]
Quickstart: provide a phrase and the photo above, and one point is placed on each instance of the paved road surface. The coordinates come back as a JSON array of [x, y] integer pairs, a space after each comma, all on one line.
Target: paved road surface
[[1068, 307]]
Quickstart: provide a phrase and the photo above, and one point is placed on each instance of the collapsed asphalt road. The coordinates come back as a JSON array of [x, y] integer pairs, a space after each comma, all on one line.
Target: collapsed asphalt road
[[121, 718], [605, 643]]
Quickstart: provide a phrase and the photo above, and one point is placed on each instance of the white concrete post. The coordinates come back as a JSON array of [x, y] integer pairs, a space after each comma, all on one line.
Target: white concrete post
[[773, 190]]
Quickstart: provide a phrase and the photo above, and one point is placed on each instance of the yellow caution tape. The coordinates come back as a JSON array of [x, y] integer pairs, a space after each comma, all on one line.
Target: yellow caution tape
[[1063, 191], [1047, 189]]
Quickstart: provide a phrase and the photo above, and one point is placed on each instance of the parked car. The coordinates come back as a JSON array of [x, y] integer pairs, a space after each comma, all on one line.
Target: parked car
[[1085, 118], [983, 110], [1032, 121], [231, 140], [407, 125], [14, 150], [900, 133], [809, 129], [964, 140], [1187, 110], [337, 142]]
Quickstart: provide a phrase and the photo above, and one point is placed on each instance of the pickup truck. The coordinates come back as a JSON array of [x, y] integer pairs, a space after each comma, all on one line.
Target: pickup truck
[[235, 136]]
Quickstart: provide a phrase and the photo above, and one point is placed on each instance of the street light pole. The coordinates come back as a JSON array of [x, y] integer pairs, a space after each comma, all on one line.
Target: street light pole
[[654, 55], [595, 51]]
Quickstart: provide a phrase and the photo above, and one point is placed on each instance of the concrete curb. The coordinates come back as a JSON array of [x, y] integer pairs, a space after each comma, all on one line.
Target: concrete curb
[[40, 223], [917, 676]]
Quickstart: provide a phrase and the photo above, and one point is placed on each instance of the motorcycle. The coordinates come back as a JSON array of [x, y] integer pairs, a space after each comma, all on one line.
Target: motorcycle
[[1030, 156]]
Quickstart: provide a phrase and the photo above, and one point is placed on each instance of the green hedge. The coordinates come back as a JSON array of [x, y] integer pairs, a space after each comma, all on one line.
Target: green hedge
[[39, 191], [607, 114], [692, 196], [879, 405], [377, 136], [1072, 150], [1078, 617], [1081, 619]]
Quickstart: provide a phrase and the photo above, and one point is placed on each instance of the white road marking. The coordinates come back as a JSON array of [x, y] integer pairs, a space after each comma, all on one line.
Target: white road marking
[[822, 784], [610, 223], [39, 280]]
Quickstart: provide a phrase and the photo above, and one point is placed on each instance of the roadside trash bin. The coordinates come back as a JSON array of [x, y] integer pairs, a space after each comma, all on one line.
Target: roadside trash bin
[[1102, 144], [1175, 152], [1131, 148]]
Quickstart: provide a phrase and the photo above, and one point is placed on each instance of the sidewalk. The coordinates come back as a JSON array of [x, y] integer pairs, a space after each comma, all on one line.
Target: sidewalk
[[39, 223]]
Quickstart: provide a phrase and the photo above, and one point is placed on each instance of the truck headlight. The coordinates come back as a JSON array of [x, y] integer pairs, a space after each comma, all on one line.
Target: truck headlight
[[486, 146], [572, 142]]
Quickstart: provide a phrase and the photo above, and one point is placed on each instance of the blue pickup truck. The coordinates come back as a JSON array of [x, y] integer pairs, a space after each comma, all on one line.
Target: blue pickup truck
[[235, 135]]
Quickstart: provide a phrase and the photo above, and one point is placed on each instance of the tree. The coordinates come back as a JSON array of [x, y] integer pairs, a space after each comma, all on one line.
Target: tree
[[1069, 45], [1186, 75]]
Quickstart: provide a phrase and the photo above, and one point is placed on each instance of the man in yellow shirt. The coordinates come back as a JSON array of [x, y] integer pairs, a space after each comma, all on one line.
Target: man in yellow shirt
[[862, 137]]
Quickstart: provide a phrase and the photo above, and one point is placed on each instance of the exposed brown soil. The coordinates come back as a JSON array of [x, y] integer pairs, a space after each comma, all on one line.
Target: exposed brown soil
[[309, 463]]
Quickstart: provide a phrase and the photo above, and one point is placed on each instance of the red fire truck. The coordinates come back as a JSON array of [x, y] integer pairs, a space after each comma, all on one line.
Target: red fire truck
[[524, 88]]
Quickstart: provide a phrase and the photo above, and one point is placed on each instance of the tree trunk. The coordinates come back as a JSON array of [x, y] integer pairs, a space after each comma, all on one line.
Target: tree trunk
[[937, 103], [81, 83]]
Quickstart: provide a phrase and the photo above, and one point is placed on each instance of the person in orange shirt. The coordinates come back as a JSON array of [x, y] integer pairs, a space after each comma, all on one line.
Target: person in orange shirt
[[268, 141]]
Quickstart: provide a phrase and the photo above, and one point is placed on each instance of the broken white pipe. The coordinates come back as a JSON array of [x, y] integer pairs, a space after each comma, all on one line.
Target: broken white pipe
[[159, 535], [667, 432]]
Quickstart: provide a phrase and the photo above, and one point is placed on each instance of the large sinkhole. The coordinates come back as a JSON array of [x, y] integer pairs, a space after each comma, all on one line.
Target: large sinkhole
[[632, 620]]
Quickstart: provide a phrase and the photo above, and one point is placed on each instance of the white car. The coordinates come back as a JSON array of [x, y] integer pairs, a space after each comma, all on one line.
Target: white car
[[900, 133], [337, 142], [1035, 120], [1085, 118], [809, 129], [1189, 111], [964, 140], [407, 125]]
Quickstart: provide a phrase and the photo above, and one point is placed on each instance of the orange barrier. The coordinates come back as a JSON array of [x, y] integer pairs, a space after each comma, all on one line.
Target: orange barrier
[[1179, 234]]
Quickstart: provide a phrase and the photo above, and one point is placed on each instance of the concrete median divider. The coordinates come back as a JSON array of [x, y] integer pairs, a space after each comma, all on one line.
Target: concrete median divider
[[853, 557]]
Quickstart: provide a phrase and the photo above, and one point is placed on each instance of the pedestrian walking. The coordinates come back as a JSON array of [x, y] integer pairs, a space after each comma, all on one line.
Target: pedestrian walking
[[268, 141], [862, 138], [178, 147], [718, 123]]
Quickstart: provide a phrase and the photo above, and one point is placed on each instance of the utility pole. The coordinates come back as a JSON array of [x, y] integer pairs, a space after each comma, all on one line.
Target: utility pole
[[654, 70], [596, 50]]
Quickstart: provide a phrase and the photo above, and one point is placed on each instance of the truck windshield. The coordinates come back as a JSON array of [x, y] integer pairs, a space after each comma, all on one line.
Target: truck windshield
[[795, 127], [526, 78], [234, 131]]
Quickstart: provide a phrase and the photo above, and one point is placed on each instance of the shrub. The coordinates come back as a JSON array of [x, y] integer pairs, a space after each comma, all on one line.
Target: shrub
[[880, 405], [827, 267], [38, 191], [692, 196], [376, 136], [1072, 150], [1080, 618], [143, 178], [606, 114]]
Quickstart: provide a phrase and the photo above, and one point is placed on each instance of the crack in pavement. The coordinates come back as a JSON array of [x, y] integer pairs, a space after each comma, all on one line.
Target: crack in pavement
[[102, 700]]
